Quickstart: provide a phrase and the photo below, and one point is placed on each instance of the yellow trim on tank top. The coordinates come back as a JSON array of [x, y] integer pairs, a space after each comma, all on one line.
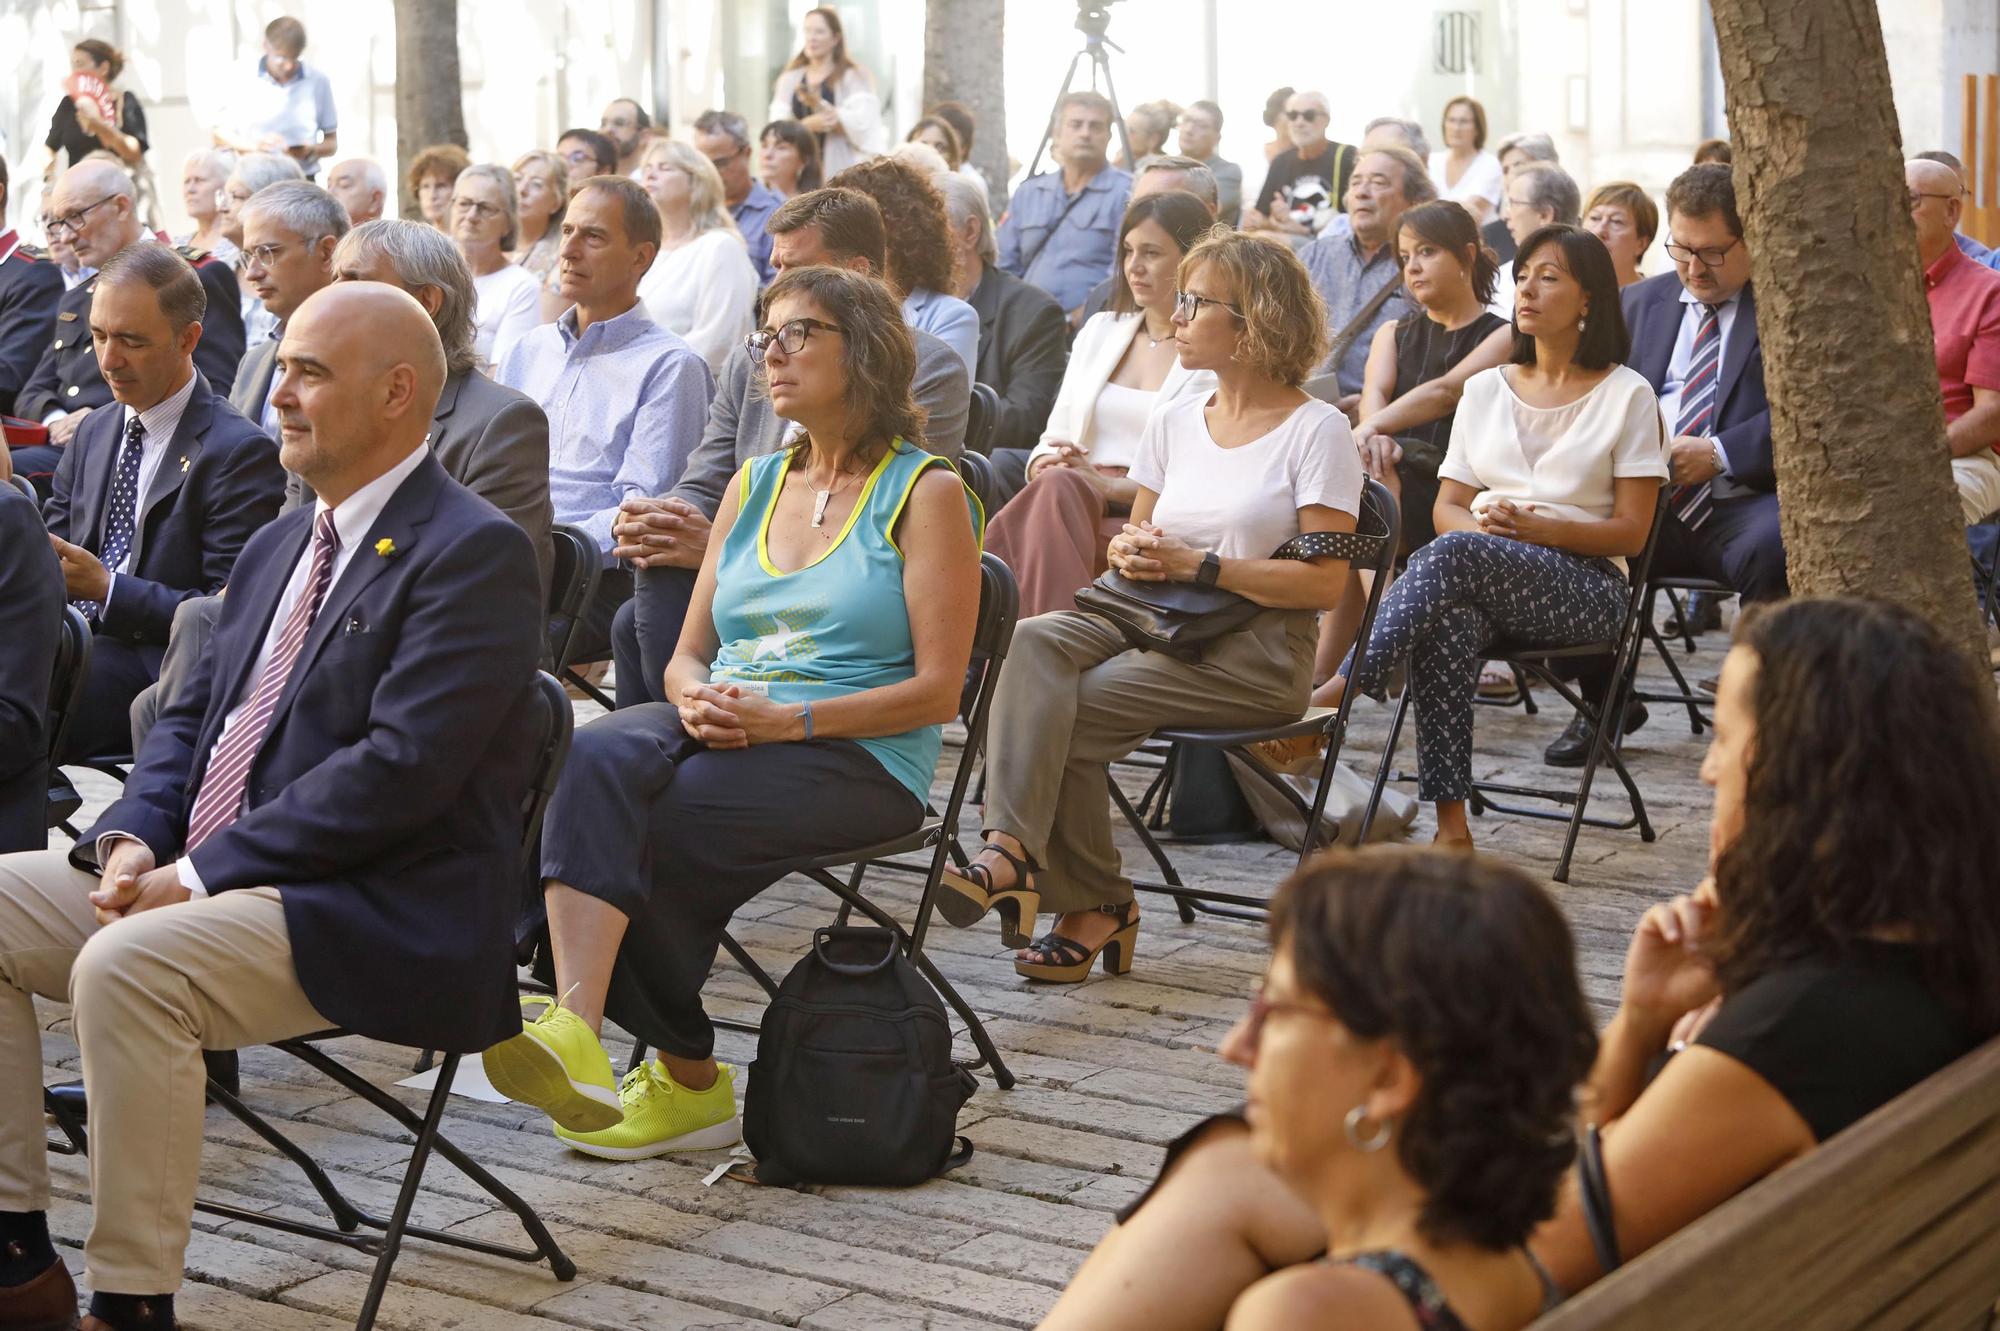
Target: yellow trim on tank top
[[771, 508]]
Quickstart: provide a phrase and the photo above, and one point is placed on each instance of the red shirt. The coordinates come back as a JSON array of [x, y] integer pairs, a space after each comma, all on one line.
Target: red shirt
[[1965, 320]]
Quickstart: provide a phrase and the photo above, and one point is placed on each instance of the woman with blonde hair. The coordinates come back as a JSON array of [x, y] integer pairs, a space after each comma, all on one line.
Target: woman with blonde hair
[[703, 285], [541, 181], [485, 223], [830, 94]]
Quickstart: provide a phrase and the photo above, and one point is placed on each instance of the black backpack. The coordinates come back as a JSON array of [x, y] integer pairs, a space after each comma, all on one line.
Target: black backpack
[[853, 1081]]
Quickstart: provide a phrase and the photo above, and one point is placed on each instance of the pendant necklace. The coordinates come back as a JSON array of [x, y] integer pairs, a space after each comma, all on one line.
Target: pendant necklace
[[821, 498], [1153, 343]]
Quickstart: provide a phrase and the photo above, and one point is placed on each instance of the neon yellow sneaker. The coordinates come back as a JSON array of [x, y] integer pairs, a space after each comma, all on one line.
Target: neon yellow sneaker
[[662, 1115], [558, 1065]]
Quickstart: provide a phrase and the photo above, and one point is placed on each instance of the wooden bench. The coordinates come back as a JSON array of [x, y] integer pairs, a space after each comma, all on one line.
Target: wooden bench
[[1895, 1223]]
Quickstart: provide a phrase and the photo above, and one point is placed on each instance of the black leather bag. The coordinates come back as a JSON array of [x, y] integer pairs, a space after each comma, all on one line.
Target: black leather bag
[[1179, 619]]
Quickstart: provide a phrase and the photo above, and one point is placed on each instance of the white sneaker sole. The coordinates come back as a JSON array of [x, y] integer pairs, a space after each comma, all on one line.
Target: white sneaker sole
[[701, 1139], [527, 1071]]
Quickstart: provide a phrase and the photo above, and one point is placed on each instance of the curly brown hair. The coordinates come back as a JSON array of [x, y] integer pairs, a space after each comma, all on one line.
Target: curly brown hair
[[440, 159], [914, 213], [878, 354], [1869, 802], [1466, 965], [1284, 319]]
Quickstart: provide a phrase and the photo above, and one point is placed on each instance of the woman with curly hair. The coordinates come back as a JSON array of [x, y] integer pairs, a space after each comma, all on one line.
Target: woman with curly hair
[[920, 257], [1221, 482], [1836, 957]]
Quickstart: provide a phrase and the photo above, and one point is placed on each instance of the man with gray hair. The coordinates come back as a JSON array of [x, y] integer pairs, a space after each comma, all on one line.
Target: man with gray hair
[[723, 137], [1023, 344], [1538, 194], [1384, 130], [289, 231], [1304, 188], [1514, 152], [1354, 266], [361, 187]]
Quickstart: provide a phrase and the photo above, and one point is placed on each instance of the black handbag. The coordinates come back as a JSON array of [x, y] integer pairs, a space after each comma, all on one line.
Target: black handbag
[[1179, 619]]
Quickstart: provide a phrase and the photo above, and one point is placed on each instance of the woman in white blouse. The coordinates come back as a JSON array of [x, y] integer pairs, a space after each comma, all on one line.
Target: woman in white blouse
[[1549, 484], [1219, 483], [1123, 367], [485, 223], [1464, 171], [830, 95], [703, 285]]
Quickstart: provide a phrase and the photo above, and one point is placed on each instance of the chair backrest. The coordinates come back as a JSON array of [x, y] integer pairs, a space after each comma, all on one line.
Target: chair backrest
[[558, 724], [977, 471], [26, 487], [574, 578], [66, 680], [1890, 1223], [982, 418]]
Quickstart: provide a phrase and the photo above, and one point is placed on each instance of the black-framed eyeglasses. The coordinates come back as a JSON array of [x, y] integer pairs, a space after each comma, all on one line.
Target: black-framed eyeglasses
[[1187, 306], [476, 208], [578, 156], [72, 223], [1711, 256], [1308, 115], [721, 163], [790, 337], [263, 255], [1917, 198]]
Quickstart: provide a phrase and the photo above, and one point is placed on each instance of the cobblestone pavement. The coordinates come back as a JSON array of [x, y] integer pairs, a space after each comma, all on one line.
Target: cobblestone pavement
[[1110, 1071]]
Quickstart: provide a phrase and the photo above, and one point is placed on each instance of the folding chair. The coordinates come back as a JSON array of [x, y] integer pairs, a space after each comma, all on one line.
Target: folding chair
[[1680, 593], [977, 472], [348, 1218], [999, 604], [65, 696], [579, 564], [1986, 578], [982, 418], [1373, 550], [1536, 658]]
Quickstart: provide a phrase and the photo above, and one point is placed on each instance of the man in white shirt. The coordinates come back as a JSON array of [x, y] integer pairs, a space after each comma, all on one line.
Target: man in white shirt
[[289, 231], [287, 106]]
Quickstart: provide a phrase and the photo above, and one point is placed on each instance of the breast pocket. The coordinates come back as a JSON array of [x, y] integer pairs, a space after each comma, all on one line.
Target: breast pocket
[[340, 683]]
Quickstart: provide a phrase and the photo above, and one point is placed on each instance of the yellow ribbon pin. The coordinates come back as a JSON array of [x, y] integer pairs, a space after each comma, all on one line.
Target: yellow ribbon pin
[[385, 547]]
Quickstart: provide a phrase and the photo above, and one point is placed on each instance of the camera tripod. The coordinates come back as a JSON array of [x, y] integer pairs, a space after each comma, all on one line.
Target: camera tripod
[[1093, 21]]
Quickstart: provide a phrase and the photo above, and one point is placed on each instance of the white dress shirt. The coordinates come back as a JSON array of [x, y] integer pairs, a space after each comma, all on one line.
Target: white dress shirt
[[159, 422], [1677, 366]]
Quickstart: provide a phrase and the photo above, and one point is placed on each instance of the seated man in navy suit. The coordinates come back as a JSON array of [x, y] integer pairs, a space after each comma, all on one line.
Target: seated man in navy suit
[[31, 611], [1694, 337], [153, 499], [323, 830]]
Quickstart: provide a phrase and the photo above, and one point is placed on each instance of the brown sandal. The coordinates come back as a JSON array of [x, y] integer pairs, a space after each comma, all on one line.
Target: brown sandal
[[1071, 960], [968, 896]]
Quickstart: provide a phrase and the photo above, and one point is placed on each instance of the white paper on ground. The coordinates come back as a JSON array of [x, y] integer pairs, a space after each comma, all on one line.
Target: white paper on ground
[[470, 1082]]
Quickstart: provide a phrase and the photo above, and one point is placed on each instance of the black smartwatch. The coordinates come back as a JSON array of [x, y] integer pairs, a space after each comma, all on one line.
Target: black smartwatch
[[1210, 570]]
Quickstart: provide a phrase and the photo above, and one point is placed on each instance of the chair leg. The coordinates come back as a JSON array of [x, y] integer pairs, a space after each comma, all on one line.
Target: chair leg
[[1137, 822], [413, 1177], [1382, 771], [1604, 747]]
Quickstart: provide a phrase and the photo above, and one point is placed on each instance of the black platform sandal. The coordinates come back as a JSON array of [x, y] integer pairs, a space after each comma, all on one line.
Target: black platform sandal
[[968, 896], [1072, 961]]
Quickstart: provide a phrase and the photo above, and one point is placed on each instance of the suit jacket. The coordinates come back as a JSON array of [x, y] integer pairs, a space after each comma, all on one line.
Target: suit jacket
[[741, 424], [385, 801], [1742, 420], [491, 439], [31, 611], [1100, 344], [1023, 349], [218, 483], [30, 289], [253, 381], [66, 377]]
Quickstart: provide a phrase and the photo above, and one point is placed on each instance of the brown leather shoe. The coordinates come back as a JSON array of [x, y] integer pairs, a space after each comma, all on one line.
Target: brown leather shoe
[[46, 1303]]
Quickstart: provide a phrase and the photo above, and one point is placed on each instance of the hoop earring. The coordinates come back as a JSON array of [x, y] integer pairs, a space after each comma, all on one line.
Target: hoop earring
[[1376, 1140]]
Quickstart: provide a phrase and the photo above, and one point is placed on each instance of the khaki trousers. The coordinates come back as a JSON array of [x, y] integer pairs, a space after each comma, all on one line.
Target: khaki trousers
[[1073, 697], [149, 993]]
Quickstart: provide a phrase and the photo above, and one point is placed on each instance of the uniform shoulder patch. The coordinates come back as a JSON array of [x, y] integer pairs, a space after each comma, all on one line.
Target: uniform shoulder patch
[[194, 254], [33, 253]]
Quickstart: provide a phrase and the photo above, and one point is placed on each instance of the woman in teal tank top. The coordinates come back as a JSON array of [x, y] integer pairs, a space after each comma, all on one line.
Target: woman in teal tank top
[[825, 646]]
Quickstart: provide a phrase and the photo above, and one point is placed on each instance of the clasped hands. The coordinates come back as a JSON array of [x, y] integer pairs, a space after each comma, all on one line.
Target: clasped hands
[[132, 884], [1516, 521], [660, 533], [1144, 553], [728, 716]]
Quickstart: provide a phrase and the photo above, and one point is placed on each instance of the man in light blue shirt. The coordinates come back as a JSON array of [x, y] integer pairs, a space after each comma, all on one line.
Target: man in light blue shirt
[[1061, 232], [287, 107], [625, 398], [723, 137]]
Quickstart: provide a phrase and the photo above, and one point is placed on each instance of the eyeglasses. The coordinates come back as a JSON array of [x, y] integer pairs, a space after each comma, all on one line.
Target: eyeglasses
[[1917, 198], [1262, 1008], [720, 162], [263, 255], [578, 156], [790, 337], [72, 223], [1308, 116], [1187, 306], [1711, 256], [475, 208]]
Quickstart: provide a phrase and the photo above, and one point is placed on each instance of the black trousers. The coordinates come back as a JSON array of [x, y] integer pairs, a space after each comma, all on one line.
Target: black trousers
[[647, 628], [103, 723], [678, 836]]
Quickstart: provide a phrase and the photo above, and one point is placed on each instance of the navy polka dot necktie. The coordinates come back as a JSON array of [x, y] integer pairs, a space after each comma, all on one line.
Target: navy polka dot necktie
[[118, 518]]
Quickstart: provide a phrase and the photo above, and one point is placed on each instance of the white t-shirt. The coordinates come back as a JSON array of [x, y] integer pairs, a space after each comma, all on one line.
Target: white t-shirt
[[1244, 502], [706, 291], [510, 304], [1483, 178], [1564, 461]]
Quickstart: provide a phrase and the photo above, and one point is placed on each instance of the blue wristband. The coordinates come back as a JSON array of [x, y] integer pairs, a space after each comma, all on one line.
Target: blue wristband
[[808, 714]]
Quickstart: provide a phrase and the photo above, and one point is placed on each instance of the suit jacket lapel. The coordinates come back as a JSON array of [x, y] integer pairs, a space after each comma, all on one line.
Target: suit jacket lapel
[[1742, 341], [181, 452], [261, 589], [93, 484], [982, 303], [1658, 355]]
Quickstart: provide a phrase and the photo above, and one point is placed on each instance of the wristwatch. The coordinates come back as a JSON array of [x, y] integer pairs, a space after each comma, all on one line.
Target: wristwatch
[[1210, 570], [1715, 457]]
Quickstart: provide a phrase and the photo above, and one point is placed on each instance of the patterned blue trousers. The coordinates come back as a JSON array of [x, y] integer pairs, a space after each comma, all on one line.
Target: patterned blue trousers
[[1463, 591]]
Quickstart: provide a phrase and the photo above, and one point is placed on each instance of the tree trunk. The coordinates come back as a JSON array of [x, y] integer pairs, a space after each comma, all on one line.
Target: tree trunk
[[1857, 421], [962, 43], [428, 105]]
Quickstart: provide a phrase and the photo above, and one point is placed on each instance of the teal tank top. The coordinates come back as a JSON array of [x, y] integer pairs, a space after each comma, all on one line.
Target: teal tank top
[[836, 626]]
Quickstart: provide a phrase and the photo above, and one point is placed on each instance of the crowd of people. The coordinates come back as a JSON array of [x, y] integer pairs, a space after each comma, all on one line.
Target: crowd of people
[[299, 469]]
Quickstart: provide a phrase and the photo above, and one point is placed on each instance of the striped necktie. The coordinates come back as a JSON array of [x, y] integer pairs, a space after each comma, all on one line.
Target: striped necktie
[[119, 516], [1692, 502], [220, 798]]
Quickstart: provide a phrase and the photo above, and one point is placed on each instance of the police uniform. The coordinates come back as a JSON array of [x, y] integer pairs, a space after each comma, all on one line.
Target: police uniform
[[30, 288], [66, 377]]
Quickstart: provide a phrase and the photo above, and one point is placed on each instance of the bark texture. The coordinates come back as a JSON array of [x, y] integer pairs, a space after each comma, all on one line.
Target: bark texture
[[962, 62], [429, 108], [1857, 422]]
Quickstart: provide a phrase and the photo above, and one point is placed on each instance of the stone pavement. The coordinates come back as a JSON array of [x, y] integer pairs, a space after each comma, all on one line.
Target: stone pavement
[[1110, 1071]]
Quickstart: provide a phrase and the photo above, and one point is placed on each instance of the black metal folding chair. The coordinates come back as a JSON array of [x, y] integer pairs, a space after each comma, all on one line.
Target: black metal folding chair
[[1374, 552], [999, 605], [65, 696], [579, 565], [350, 1219], [1680, 593], [1537, 660], [982, 418], [977, 472]]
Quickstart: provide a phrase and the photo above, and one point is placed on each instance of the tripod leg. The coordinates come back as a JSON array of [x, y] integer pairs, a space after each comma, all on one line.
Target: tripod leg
[[1102, 61], [1049, 133]]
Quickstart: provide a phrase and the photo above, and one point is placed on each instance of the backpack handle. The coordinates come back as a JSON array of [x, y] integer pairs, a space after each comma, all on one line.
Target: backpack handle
[[851, 933]]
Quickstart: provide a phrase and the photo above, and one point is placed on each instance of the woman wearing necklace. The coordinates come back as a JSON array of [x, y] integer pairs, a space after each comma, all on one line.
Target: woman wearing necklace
[[830, 95], [1122, 369], [825, 646]]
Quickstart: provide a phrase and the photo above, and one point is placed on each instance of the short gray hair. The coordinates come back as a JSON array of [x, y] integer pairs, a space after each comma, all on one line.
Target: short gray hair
[[724, 122], [373, 175], [1536, 147], [966, 198], [223, 160], [258, 170], [1549, 186], [1200, 180], [302, 208], [422, 256], [1409, 131], [510, 198]]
